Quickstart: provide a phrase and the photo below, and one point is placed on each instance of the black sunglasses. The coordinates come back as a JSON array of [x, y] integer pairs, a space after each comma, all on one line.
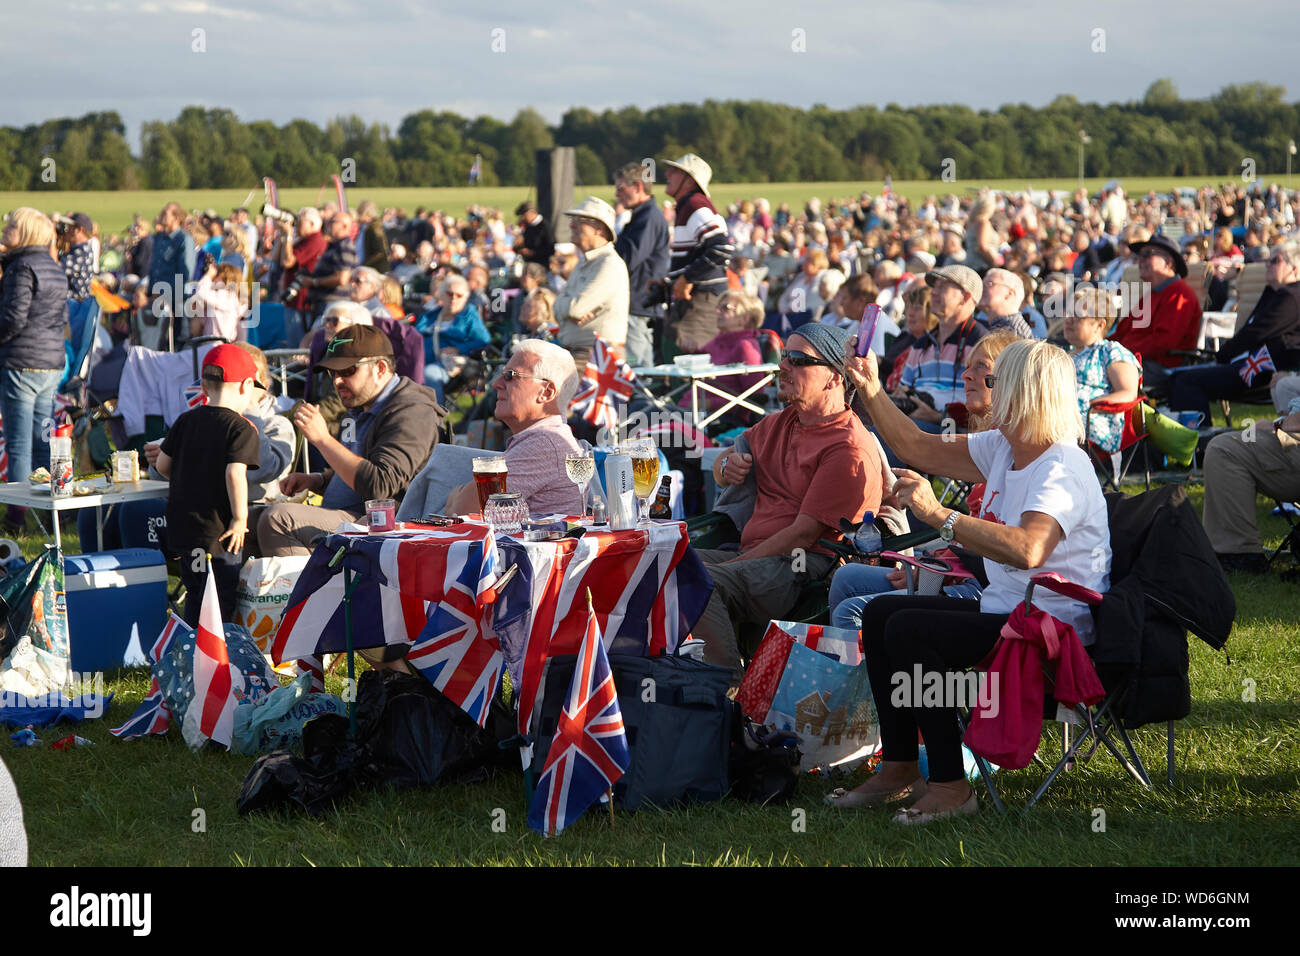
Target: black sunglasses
[[350, 370], [803, 359], [989, 380]]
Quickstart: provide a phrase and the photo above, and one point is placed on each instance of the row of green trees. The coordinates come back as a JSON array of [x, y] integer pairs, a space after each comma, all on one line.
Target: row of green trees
[[750, 141]]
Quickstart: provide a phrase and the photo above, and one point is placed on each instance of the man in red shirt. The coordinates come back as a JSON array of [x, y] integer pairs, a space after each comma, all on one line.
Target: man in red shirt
[[1167, 318], [809, 466], [300, 247]]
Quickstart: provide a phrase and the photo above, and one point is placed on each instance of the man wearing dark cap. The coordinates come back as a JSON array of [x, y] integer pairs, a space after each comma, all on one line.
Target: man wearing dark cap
[[535, 243], [808, 466], [1166, 317], [79, 260], [384, 439]]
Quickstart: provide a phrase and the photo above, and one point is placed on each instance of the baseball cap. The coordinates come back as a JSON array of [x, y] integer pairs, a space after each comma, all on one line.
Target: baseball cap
[[232, 363], [82, 220], [354, 343]]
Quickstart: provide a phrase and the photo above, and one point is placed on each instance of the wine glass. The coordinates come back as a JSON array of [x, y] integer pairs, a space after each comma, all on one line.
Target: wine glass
[[580, 466], [645, 468]]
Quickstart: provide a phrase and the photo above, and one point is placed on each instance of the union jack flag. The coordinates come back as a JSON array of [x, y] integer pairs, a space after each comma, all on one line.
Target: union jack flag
[[153, 716], [211, 713], [649, 586], [1255, 365], [606, 385], [589, 752], [427, 588], [194, 394]]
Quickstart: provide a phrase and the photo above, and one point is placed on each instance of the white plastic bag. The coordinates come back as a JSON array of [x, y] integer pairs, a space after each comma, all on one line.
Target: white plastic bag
[[264, 588]]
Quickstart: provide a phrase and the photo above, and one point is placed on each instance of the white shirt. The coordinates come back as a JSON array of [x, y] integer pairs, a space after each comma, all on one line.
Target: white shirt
[[1061, 483]]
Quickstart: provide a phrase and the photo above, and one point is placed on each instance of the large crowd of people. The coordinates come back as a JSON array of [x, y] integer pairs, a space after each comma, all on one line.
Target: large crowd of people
[[1004, 317]]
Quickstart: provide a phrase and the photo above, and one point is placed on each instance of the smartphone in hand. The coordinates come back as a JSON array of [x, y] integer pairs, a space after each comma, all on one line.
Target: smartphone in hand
[[867, 328]]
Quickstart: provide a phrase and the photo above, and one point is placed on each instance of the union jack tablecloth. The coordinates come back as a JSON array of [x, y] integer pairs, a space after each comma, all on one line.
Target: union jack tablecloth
[[434, 588]]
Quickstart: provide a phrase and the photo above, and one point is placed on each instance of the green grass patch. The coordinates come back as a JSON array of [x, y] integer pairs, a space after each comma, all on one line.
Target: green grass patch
[[113, 209]]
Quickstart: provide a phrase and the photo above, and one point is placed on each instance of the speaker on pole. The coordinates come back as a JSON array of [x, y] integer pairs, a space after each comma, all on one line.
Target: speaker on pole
[[555, 177]]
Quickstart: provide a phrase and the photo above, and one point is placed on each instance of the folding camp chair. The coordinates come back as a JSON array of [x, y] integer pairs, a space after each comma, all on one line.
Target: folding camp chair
[[1292, 540], [83, 321], [1142, 576], [1114, 466], [1099, 723]]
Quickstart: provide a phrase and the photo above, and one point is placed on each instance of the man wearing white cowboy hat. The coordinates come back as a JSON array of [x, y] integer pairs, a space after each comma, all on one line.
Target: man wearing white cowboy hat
[[595, 299], [700, 252]]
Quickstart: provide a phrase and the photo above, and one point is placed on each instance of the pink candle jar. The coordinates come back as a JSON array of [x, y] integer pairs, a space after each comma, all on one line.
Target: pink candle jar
[[382, 514]]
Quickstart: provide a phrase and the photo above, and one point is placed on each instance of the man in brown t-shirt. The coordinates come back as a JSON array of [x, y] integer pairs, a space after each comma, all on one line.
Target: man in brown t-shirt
[[812, 464]]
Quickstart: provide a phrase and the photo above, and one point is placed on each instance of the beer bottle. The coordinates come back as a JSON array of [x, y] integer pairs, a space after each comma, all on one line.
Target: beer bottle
[[662, 508]]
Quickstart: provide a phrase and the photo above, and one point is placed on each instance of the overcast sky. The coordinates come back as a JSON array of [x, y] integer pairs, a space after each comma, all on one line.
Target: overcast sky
[[383, 59]]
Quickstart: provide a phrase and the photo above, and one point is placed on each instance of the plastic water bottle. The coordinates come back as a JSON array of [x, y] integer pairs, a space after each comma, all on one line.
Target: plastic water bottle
[[867, 538], [61, 461]]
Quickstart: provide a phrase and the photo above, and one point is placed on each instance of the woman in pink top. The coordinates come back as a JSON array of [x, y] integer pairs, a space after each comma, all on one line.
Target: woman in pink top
[[736, 343]]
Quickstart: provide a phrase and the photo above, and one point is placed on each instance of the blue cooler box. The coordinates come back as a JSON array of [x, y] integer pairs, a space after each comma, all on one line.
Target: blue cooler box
[[108, 593]]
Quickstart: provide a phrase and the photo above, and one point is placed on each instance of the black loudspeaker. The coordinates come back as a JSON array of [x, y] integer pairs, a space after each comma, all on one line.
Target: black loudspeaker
[[556, 169]]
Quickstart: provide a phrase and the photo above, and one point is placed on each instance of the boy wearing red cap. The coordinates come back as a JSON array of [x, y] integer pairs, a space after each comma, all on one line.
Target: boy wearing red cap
[[206, 456]]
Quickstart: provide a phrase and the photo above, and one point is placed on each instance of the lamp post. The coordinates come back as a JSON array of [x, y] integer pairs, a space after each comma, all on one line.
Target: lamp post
[[1084, 140], [1290, 151]]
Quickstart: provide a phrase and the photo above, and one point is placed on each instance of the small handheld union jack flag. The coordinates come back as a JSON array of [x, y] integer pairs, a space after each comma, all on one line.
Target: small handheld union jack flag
[[194, 395], [607, 383], [1255, 365], [589, 751]]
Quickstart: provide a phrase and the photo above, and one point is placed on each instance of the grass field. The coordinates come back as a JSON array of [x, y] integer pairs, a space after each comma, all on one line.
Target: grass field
[[113, 210], [1236, 801]]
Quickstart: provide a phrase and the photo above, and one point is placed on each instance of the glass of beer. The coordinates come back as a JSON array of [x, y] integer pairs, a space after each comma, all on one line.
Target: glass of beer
[[645, 468], [489, 479]]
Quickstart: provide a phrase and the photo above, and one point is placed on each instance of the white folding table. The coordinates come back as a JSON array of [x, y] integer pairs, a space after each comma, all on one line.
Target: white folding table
[[705, 379], [27, 495]]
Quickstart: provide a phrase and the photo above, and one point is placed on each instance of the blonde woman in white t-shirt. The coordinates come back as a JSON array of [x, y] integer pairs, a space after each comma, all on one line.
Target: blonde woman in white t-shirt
[[1043, 510]]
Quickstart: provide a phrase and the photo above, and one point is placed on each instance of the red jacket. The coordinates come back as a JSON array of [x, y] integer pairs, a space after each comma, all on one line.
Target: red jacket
[[1008, 730], [1171, 320]]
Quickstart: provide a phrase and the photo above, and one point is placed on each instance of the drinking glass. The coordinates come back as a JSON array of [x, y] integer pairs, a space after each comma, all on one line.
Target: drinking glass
[[645, 468], [489, 479], [580, 466], [506, 513]]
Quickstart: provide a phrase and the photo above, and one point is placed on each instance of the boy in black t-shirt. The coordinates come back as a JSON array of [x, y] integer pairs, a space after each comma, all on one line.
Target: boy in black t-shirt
[[206, 456]]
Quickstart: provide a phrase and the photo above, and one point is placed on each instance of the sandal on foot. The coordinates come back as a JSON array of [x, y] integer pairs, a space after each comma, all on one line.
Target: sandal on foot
[[857, 799], [916, 818]]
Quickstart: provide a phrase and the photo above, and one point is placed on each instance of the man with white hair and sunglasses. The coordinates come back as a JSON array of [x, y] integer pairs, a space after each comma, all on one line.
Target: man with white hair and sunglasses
[[533, 391]]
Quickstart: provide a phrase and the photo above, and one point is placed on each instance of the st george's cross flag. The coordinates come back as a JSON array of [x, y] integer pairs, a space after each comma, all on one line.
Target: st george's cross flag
[[605, 387], [1255, 365], [211, 713], [153, 716], [589, 751]]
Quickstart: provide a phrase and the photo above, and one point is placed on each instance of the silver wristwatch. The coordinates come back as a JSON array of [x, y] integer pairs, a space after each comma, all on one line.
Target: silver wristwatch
[[947, 531]]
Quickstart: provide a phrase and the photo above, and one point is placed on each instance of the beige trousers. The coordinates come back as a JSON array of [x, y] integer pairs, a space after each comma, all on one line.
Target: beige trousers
[[1236, 470]]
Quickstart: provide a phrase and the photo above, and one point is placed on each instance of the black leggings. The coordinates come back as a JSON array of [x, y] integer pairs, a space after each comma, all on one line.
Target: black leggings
[[940, 634]]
